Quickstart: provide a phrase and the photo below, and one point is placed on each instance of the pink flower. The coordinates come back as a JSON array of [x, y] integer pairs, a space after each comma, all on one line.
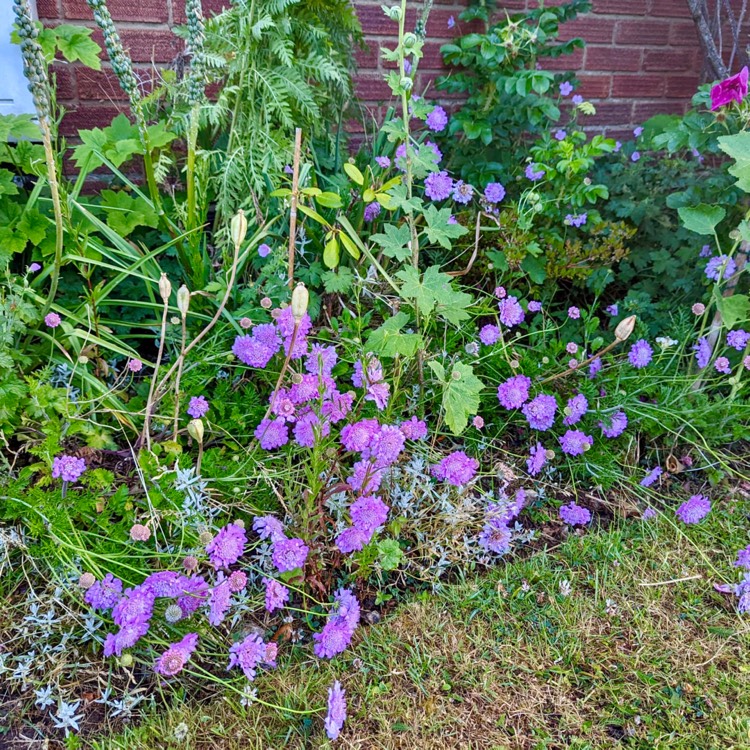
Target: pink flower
[[732, 89], [478, 422], [135, 365], [52, 319], [698, 308], [176, 656]]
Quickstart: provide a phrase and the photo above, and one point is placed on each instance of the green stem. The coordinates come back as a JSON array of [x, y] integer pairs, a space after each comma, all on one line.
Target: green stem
[[49, 157]]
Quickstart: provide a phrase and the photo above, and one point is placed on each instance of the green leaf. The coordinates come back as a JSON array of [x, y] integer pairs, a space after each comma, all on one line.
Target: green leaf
[[7, 186], [460, 394], [535, 268], [331, 253], [354, 174], [349, 244], [701, 219], [400, 199], [439, 229], [734, 309], [159, 136], [75, 43], [395, 241], [738, 147], [117, 143], [33, 226], [329, 200], [388, 341], [125, 213], [390, 554], [18, 126], [338, 282], [434, 292]]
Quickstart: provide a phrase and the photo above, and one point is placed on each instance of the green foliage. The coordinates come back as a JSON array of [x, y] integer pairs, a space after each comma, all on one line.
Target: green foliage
[[461, 389]]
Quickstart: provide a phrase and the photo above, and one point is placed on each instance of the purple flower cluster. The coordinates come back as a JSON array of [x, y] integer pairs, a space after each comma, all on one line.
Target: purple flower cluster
[[575, 442], [743, 558], [198, 407], [489, 335], [514, 392], [536, 460], [738, 339], [287, 554], [438, 186], [413, 429], [540, 412], [251, 653], [574, 515], [173, 660], [104, 594], [68, 468], [456, 468], [703, 352], [372, 211], [720, 267], [576, 220], [652, 476], [277, 595], [511, 312], [496, 535], [575, 409], [462, 192], [372, 379], [437, 119], [494, 192], [533, 173], [336, 715], [694, 509], [227, 546], [617, 424], [640, 354], [339, 629]]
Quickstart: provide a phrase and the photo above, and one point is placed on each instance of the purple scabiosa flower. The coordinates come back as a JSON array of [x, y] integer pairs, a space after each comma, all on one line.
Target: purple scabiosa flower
[[705, 252], [338, 406], [68, 468], [383, 162], [536, 460], [702, 352], [743, 558], [637, 131], [722, 365], [489, 335], [164, 584], [576, 407], [264, 250], [268, 527], [407, 67], [257, 349], [365, 477], [572, 364], [575, 442], [612, 310], [732, 89], [495, 536], [372, 211], [386, 446], [577, 100], [283, 406], [534, 174], [462, 192], [285, 323], [194, 592], [379, 393], [478, 422], [640, 354], [694, 509], [595, 368], [560, 135], [134, 365], [414, 429], [576, 220], [272, 433], [540, 412], [574, 515], [514, 392], [353, 539], [135, 605], [52, 320], [720, 267], [511, 313], [237, 581], [336, 715], [250, 653], [437, 153], [219, 601], [648, 514], [738, 339], [617, 424], [309, 427], [571, 348], [534, 306], [456, 468], [358, 436], [438, 186], [342, 622], [494, 192], [437, 119], [227, 546], [174, 659], [277, 595], [566, 88], [104, 594], [198, 407], [368, 513], [500, 292], [635, 156], [652, 476], [574, 313], [128, 635], [289, 554]]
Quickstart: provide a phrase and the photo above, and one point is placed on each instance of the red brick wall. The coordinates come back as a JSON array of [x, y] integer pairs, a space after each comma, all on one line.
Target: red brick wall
[[642, 56]]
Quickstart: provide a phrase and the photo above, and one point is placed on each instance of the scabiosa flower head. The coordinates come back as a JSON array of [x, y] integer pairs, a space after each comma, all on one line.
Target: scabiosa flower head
[[34, 267], [68, 468], [738, 339], [489, 335], [456, 468], [257, 349], [337, 406], [637, 131], [135, 605], [134, 365], [368, 513], [437, 153], [336, 708], [652, 476], [576, 220], [494, 192], [414, 429], [272, 433], [595, 367], [264, 250], [574, 313], [462, 192], [574, 515], [720, 267], [219, 601], [308, 428], [86, 581], [514, 392], [250, 653], [566, 88], [618, 146], [571, 347], [534, 306], [437, 119], [104, 594], [333, 639], [372, 211], [511, 313], [495, 536], [612, 310], [198, 407], [534, 174], [635, 156], [365, 477], [617, 424], [702, 352], [383, 162], [386, 446], [289, 554], [640, 354], [575, 409], [743, 558], [140, 533], [277, 595], [698, 308], [176, 656], [560, 135], [451, 22], [575, 442], [356, 437], [438, 186], [285, 323], [173, 613], [237, 581], [694, 509], [536, 460], [540, 412], [353, 539], [227, 546], [52, 320], [722, 365], [500, 292], [648, 514], [705, 252], [268, 527], [478, 422], [194, 593]]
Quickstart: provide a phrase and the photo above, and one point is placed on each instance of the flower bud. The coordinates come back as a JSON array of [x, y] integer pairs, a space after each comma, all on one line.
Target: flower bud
[[183, 300], [300, 301], [165, 287], [126, 660], [195, 430], [238, 228], [625, 327], [406, 83], [394, 13], [410, 40]]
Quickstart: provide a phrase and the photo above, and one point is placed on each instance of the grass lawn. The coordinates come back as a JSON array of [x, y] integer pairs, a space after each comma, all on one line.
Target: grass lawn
[[616, 638]]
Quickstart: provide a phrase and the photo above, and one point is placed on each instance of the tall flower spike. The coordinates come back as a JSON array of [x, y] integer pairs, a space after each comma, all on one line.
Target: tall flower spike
[[34, 63], [196, 37]]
